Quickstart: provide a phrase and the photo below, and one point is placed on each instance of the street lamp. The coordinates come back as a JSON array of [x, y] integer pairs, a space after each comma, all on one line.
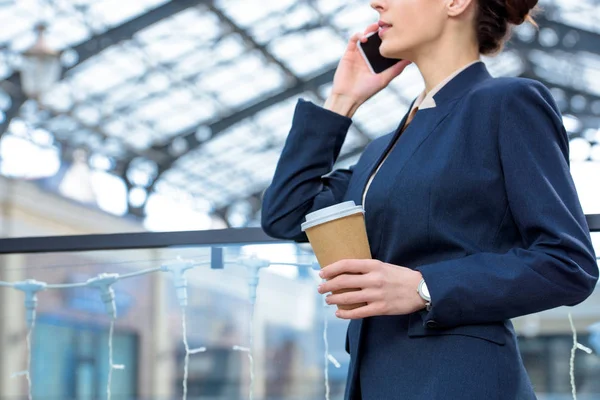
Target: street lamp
[[41, 67]]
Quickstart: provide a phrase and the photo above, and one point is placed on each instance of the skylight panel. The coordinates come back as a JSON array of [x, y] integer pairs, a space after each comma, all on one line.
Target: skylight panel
[[306, 53], [115, 12], [247, 12]]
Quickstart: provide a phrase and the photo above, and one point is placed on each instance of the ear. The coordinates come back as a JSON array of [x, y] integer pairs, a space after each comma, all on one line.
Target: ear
[[457, 7]]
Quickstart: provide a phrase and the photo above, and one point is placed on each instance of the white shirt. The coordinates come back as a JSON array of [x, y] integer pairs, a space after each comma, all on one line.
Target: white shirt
[[424, 101]]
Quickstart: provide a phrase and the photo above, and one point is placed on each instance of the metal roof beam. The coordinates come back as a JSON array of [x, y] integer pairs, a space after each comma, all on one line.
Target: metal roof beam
[[222, 125], [567, 38], [256, 197], [98, 43], [579, 102]]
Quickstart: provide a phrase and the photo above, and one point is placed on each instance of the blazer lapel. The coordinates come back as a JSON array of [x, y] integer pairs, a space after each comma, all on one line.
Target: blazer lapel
[[424, 122], [427, 120], [404, 144], [393, 138], [371, 168], [462, 83]]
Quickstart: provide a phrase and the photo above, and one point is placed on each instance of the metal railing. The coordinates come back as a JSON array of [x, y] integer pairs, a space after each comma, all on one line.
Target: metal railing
[[152, 240]]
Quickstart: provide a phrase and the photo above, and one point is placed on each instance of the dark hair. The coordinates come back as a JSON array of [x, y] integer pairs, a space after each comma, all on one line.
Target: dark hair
[[494, 20]]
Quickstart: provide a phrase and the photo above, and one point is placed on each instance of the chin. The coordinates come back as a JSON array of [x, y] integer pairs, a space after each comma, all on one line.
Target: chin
[[389, 51]]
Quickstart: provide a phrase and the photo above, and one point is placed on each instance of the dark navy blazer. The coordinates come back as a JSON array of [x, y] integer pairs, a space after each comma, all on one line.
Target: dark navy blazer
[[477, 195]]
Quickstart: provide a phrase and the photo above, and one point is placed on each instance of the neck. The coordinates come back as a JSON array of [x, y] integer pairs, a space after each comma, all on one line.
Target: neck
[[444, 58]]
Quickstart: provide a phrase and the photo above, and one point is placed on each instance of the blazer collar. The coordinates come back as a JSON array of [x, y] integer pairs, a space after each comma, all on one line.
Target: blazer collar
[[462, 83], [427, 99]]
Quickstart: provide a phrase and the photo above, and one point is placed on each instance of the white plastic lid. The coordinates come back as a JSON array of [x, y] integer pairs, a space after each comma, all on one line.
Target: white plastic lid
[[329, 214]]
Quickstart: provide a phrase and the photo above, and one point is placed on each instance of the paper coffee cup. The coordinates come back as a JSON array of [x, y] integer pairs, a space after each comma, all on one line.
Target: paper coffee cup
[[338, 233]]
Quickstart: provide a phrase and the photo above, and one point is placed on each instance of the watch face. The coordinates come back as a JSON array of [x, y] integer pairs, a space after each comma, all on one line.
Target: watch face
[[425, 290]]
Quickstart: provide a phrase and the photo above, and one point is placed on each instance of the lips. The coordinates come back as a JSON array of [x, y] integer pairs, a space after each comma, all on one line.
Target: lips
[[383, 27]]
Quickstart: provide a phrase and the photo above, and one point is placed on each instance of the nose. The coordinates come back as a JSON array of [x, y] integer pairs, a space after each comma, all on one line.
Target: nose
[[377, 5]]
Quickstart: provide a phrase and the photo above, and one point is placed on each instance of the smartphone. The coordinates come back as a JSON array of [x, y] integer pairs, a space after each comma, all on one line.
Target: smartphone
[[370, 52]]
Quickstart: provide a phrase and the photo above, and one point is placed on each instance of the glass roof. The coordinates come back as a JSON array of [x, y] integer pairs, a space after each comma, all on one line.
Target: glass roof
[[69, 22], [198, 96]]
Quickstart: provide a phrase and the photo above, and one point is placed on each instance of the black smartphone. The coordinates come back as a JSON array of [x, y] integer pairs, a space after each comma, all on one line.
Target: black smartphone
[[370, 52]]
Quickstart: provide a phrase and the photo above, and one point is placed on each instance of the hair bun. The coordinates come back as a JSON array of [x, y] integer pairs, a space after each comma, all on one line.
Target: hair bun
[[518, 10]]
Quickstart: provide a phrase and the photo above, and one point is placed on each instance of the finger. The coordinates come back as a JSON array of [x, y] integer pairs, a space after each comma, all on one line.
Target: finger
[[370, 310], [356, 297], [343, 281], [362, 37], [374, 27], [348, 267], [352, 43], [395, 70]]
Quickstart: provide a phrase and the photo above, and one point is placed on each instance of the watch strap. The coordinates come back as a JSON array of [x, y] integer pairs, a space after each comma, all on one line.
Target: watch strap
[[423, 296]]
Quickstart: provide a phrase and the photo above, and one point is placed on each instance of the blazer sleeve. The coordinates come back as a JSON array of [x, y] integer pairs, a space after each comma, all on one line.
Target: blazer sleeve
[[556, 265], [303, 180]]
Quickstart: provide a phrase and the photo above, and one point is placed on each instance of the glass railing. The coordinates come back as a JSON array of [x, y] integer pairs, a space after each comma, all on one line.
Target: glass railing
[[229, 314]]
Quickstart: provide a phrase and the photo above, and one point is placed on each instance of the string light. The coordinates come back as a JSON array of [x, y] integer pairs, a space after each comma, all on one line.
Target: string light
[[177, 269], [111, 365], [576, 345], [30, 287], [188, 352], [327, 355], [329, 358], [254, 265], [104, 282]]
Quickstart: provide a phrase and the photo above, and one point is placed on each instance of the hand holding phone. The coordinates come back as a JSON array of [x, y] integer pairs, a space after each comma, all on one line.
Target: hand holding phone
[[356, 80], [370, 52]]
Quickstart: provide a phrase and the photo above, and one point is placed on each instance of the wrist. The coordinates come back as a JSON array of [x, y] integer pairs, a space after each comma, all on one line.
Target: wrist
[[342, 104]]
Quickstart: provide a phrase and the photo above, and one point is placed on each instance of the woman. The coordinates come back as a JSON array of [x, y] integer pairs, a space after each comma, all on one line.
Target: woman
[[471, 211]]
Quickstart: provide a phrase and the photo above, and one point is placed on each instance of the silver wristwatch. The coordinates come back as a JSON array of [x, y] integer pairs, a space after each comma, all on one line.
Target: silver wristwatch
[[424, 293]]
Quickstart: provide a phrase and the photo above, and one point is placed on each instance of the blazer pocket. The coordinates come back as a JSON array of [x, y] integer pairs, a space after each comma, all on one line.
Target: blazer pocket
[[492, 332]]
